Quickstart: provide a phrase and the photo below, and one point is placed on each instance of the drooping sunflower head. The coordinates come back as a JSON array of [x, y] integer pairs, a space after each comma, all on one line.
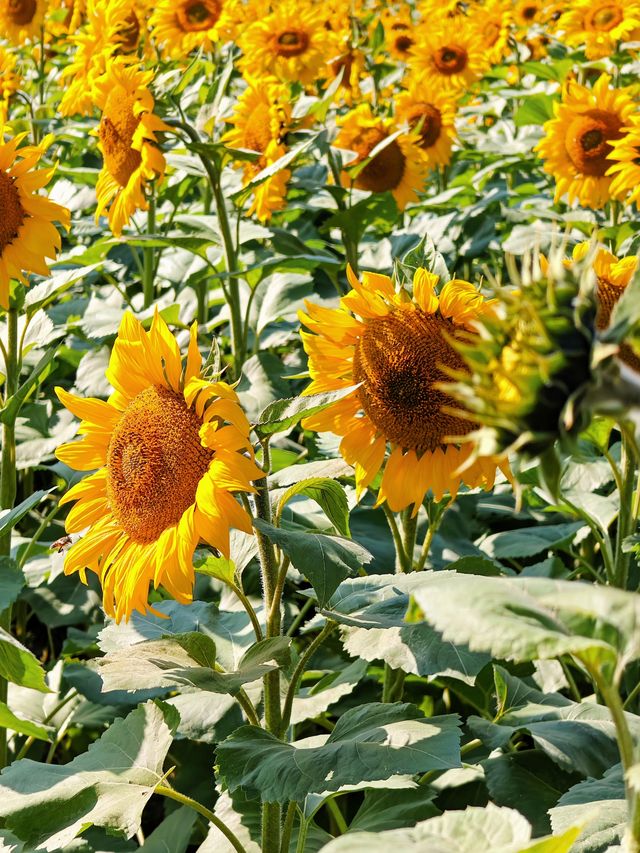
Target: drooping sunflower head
[[127, 141], [601, 25], [430, 113], [170, 449], [529, 372], [397, 164], [397, 347], [27, 233], [579, 140], [291, 43], [451, 57], [21, 20]]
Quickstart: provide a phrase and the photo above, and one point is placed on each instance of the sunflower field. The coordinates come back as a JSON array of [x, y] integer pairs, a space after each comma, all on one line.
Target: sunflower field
[[320, 418]]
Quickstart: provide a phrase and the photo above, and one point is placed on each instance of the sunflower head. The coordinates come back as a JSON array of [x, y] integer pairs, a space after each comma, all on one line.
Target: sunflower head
[[528, 374], [170, 448], [21, 19], [395, 344]]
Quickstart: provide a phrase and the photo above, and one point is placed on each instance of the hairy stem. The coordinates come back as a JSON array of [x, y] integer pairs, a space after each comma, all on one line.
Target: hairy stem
[[148, 254], [165, 791], [306, 656]]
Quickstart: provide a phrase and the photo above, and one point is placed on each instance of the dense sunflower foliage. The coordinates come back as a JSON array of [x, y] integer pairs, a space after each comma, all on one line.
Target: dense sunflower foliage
[[319, 400]]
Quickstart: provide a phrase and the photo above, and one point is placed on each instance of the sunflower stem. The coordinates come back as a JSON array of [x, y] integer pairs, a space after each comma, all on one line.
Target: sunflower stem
[[626, 517], [170, 794], [271, 812], [8, 478], [148, 288]]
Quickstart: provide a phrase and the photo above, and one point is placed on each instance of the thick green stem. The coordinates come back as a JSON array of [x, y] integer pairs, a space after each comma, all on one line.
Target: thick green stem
[[8, 481], [170, 794], [612, 700], [287, 829], [271, 812], [626, 517], [148, 288], [393, 683]]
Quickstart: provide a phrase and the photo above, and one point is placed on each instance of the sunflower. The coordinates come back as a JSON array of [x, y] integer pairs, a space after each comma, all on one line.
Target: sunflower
[[110, 29], [430, 112], [260, 122], [397, 348], [452, 57], [528, 12], [170, 448], [127, 141], [399, 33], [27, 234], [350, 62], [600, 25], [10, 81], [21, 20], [491, 23], [180, 26], [613, 275], [398, 167], [290, 43], [578, 141], [625, 168]]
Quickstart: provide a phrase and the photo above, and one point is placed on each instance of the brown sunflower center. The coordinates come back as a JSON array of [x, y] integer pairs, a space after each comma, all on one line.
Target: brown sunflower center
[[604, 18], [403, 43], [343, 62], [608, 295], [291, 43], [398, 359], [429, 119], [384, 171], [129, 34], [529, 12], [199, 15], [117, 126], [13, 213], [587, 141], [451, 59], [21, 12], [154, 463]]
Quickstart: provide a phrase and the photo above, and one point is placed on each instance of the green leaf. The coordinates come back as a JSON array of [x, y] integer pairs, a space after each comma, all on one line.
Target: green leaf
[[328, 494], [9, 720], [283, 414], [370, 742], [11, 582], [178, 660], [47, 805], [312, 701], [599, 805], [173, 834], [325, 561], [529, 541], [216, 567], [10, 518], [536, 109], [534, 618], [382, 810], [19, 665], [373, 611], [475, 829]]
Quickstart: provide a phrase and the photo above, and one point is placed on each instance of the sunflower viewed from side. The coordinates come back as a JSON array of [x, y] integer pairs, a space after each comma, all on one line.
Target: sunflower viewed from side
[[624, 170], [397, 167], [21, 20], [180, 26], [127, 142], [260, 122], [169, 449], [577, 144], [27, 233], [452, 57], [600, 26], [396, 346], [290, 43], [10, 81], [429, 111]]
